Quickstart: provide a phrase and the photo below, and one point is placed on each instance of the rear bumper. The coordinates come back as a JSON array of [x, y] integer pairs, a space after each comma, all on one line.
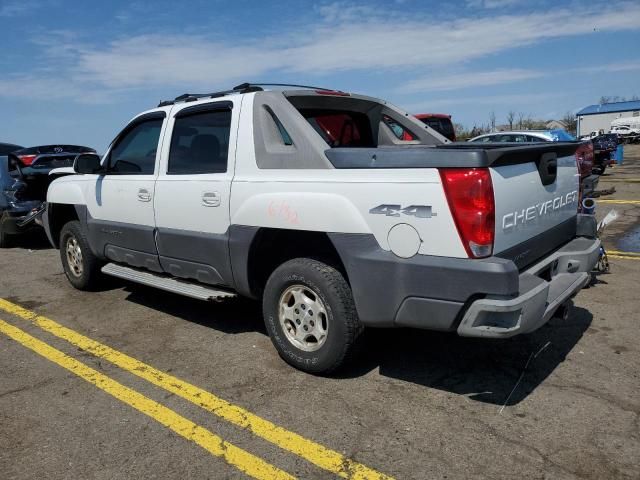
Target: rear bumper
[[543, 288], [19, 220]]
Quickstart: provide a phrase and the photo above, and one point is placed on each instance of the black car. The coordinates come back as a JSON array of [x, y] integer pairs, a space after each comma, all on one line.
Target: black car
[[7, 148], [49, 156], [17, 203], [24, 180]]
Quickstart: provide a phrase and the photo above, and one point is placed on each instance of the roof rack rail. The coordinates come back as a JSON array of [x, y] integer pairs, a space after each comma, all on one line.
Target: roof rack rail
[[248, 85], [190, 97], [242, 88]]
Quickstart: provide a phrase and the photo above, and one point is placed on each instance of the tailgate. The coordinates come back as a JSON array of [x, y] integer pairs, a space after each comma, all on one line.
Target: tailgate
[[535, 209]]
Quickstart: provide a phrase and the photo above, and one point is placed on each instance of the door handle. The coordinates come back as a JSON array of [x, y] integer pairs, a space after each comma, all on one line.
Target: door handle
[[144, 195], [211, 199]]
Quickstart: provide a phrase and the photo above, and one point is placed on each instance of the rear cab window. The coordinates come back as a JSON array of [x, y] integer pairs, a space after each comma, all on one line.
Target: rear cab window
[[341, 128], [346, 121]]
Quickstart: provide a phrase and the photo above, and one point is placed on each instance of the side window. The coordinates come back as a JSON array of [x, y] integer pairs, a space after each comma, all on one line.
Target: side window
[[200, 143], [531, 138], [398, 130], [135, 151], [284, 135]]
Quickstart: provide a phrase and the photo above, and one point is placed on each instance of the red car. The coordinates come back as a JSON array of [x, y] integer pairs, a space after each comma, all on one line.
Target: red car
[[440, 122]]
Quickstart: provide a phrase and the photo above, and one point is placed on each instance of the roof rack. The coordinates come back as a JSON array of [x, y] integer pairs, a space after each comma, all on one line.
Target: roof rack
[[190, 97], [247, 85], [242, 88]]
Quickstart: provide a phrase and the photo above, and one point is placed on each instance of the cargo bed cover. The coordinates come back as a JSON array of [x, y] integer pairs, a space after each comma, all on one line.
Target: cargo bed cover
[[451, 155]]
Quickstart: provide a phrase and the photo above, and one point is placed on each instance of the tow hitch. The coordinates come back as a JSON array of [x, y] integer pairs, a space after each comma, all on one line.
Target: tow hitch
[[563, 311]]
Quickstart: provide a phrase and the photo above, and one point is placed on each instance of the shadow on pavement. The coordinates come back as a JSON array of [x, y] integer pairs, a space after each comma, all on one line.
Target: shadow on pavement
[[235, 315], [33, 240], [484, 370]]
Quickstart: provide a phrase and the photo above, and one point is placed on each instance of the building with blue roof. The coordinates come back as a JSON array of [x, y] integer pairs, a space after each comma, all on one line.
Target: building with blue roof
[[599, 117]]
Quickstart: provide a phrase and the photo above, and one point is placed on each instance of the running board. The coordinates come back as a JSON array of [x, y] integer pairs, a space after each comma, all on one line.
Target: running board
[[164, 282]]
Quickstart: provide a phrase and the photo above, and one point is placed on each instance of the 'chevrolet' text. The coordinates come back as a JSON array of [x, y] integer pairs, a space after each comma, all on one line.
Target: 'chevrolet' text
[[529, 214]]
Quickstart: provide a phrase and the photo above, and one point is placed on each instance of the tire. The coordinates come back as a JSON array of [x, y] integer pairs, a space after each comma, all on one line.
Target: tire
[[295, 289], [5, 238], [81, 266]]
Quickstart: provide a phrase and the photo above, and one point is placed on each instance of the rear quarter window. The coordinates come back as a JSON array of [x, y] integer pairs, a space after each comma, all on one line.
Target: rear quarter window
[[341, 128]]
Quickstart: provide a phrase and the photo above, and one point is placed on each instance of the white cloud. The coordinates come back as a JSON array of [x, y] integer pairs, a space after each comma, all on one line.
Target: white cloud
[[491, 4], [467, 79], [16, 8], [350, 38], [611, 67], [491, 100]]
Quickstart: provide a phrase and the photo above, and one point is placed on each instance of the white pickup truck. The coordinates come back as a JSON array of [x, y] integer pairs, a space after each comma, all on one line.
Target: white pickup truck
[[337, 211]]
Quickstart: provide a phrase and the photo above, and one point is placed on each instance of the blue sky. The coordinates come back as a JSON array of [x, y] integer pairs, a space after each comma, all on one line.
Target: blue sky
[[75, 72]]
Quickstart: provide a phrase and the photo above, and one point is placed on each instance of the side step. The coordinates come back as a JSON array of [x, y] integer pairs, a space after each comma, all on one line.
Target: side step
[[164, 282]]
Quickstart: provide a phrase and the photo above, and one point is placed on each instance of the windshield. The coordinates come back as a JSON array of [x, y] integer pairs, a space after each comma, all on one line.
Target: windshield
[[441, 125]]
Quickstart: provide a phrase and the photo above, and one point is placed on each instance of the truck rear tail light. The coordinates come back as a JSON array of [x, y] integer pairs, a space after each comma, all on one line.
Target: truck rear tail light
[[469, 192], [27, 159], [584, 162]]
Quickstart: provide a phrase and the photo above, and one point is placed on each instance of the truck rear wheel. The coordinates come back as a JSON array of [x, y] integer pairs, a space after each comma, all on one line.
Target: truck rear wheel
[[81, 266], [310, 315]]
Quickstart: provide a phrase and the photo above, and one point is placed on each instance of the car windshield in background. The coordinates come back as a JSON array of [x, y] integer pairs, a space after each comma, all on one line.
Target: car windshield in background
[[441, 125]]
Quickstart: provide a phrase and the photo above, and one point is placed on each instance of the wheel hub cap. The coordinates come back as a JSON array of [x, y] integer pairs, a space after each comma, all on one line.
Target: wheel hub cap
[[303, 318], [74, 256]]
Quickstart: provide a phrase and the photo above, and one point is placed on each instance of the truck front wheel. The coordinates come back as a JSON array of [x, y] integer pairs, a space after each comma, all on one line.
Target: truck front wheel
[[310, 315], [81, 266]]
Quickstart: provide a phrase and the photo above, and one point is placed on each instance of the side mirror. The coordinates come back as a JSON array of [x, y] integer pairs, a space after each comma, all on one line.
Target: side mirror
[[88, 163]]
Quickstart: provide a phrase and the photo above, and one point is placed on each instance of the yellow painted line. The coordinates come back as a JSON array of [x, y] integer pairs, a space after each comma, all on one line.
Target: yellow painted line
[[311, 451], [242, 460], [623, 180], [621, 202], [624, 257], [627, 254]]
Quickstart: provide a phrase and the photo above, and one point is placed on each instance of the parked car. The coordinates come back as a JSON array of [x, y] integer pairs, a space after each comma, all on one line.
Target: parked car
[[440, 122], [25, 177], [18, 206], [591, 135], [7, 148], [524, 136], [626, 126], [49, 156], [304, 199], [603, 147], [584, 152]]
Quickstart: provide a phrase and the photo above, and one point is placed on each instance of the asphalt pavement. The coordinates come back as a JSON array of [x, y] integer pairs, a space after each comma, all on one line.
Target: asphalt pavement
[[129, 382]]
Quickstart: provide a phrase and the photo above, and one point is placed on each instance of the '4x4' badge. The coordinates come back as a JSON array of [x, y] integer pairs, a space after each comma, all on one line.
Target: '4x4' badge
[[419, 211]]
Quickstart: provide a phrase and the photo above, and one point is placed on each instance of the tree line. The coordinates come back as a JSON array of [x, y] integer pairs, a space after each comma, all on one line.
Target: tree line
[[514, 121], [525, 121]]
